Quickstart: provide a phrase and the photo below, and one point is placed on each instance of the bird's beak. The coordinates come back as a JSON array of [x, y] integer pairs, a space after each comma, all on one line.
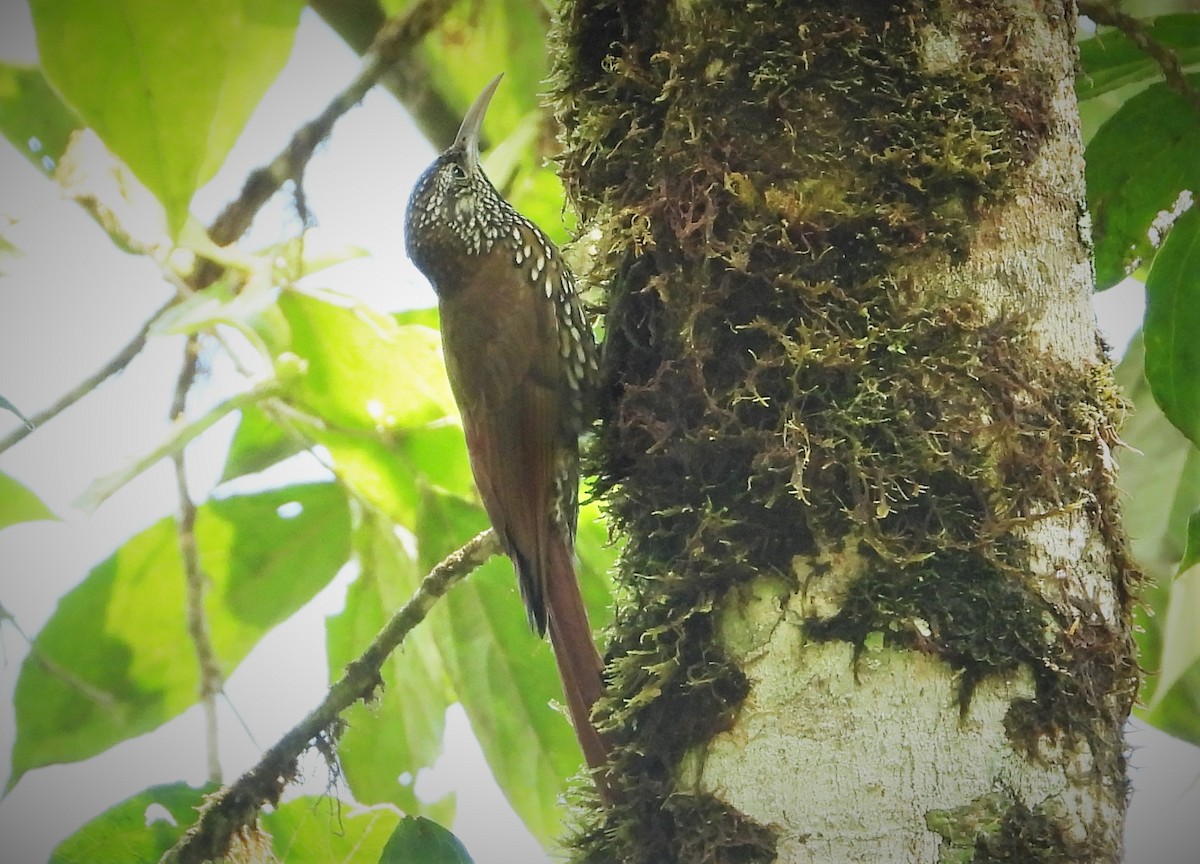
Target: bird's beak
[[472, 124]]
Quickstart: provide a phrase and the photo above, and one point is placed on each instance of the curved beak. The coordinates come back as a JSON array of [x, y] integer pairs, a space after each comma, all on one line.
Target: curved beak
[[472, 124]]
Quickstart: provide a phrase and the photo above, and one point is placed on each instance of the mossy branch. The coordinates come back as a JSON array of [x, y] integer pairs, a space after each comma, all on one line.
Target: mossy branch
[[233, 810]]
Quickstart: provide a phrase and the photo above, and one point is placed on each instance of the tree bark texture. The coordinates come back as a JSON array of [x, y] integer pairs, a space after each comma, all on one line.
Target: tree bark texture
[[856, 427]]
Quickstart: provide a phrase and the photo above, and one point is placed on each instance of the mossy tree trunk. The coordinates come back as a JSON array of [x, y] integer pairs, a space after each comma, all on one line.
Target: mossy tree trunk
[[856, 428]]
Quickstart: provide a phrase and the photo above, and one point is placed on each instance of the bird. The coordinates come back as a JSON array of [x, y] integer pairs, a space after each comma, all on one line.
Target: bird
[[521, 360]]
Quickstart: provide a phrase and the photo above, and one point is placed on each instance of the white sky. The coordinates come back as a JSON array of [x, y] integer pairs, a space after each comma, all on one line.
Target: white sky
[[69, 302]]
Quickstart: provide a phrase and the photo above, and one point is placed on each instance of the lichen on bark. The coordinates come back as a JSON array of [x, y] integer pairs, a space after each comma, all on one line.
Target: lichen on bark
[[818, 371]]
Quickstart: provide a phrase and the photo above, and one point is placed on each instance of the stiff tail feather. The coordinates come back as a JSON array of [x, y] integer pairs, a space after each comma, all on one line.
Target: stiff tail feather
[[579, 664]]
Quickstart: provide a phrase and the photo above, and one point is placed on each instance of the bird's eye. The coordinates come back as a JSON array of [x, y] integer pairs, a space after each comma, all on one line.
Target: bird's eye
[[457, 171]]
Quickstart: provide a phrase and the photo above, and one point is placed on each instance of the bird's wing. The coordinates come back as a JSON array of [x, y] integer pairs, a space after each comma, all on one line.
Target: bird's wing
[[504, 368]]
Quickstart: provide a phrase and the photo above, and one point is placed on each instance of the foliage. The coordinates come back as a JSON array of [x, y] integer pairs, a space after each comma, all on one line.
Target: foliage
[[1142, 177], [365, 392]]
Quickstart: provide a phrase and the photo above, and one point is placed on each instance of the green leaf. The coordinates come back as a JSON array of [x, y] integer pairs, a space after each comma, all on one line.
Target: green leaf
[[167, 86], [321, 830], [19, 504], [387, 416], [386, 743], [140, 828], [258, 443], [1173, 324], [33, 118], [1138, 163], [1160, 472], [1181, 637], [114, 660], [1110, 60], [427, 317], [365, 371], [417, 840]]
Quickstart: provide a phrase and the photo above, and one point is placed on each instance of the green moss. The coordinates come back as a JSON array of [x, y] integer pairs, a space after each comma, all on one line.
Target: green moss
[[962, 827], [1027, 836], [994, 829], [763, 175]]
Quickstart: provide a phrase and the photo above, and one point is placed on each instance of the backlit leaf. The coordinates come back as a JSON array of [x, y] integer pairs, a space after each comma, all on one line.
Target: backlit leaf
[[19, 504], [115, 661], [167, 86], [33, 118], [400, 732], [322, 830]]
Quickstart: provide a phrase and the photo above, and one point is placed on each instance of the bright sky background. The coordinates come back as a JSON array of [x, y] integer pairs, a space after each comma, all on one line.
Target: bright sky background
[[69, 302]]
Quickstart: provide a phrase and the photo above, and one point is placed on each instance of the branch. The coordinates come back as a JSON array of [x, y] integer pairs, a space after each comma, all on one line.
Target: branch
[[394, 40], [235, 808], [211, 680], [1107, 12], [101, 489], [112, 367], [358, 22]]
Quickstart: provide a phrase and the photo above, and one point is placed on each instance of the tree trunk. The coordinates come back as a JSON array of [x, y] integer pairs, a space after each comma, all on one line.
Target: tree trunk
[[856, 428]]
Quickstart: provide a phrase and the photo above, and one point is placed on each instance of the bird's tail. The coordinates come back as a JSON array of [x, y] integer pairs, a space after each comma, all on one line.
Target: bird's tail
[[579, 664]]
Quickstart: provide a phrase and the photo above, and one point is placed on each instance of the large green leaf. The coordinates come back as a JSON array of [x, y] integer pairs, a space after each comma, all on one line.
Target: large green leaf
[[33, 118], [1138, 163], [322, 830], [1110, 60], [391, 455], [379, 388], [1160, 472], [18, 504], [140, 828], [419, 841], [167, 86], [1172, 325], [115, 661], [386, 743], [364, 370]]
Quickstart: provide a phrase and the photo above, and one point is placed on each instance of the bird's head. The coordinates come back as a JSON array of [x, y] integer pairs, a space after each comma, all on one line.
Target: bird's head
[[454, 209]]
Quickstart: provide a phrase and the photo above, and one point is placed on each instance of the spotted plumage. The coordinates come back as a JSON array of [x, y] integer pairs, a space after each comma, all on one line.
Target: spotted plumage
[[521, 361]]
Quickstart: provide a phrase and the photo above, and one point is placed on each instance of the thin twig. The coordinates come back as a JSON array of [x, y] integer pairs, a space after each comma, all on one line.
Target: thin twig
[[211, 680], [1108, 12], [358, 22], [235, 808], [102, 488], [393, 41], [112, 367]]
